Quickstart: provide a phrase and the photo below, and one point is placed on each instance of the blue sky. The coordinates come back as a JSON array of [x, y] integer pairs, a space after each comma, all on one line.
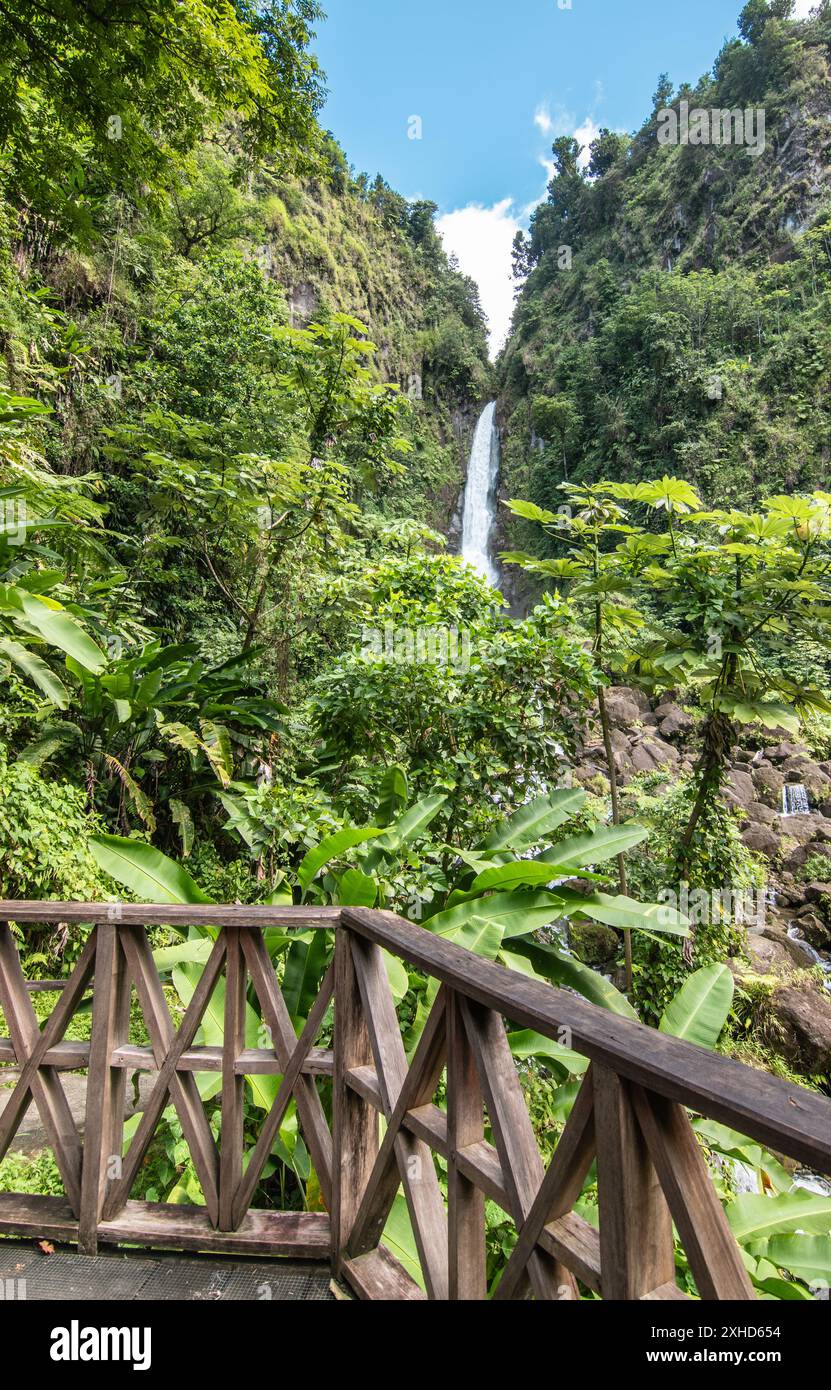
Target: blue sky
[[492, 83]]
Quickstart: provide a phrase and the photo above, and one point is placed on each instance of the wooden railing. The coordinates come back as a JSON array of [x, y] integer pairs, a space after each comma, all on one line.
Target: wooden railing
[[630, 1114]]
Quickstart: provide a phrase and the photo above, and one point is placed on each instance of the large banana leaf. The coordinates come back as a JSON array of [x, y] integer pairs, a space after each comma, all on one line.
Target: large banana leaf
[[145, 871], [412, 824], [37, 670], [479, 935], [808, 1257], [627, 914], [530, 1044], [332, 847], [400, 1241], [755, 1217], [516, 913], [193, 952], [212, 1030], [563, 969], [730, 1144], [305, 966], [607, 843], [532, 823], [523, 872], [356, 889], [393, 794], [700, 1009], [62, 631]]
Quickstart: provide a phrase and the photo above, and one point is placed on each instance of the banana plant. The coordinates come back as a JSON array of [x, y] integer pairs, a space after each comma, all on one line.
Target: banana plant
[[39, 630], [135, 713]]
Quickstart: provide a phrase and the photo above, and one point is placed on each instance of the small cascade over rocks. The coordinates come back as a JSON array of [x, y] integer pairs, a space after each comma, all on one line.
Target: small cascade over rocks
[[479, 519], [795, 800]]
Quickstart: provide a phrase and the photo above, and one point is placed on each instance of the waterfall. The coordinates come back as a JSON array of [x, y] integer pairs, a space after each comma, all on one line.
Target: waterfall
[[795, 800], [480, 496]]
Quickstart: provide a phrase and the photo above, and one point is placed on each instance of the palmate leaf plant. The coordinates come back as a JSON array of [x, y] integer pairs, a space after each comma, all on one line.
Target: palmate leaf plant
[[586, 525], [134, 723], [707, 600]]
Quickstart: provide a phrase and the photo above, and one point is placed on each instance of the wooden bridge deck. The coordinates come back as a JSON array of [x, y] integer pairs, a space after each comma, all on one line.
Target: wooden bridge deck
[[345, 1073], [28, 1274]]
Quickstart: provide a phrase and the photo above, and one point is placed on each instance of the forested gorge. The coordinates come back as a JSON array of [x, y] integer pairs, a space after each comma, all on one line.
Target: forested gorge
[[239, 661]]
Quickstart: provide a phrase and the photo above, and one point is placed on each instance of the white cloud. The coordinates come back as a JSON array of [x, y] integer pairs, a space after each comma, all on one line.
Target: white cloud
[[542, 119], [584, 135], [802, 8], [481, 238]]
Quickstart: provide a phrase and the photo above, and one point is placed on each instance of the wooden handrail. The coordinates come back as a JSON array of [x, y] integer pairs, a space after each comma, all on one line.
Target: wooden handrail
[[173, 915], [764, 1107], [630, 1115]]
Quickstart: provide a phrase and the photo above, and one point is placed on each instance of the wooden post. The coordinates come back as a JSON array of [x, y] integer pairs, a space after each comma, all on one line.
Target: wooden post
[[636, 1244], [233, 1086], [465, 1201], [354, 1121], [106, 1085]]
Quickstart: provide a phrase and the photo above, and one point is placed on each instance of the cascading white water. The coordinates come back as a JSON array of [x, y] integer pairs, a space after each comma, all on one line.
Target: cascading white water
[[480, 496], [795, 800]]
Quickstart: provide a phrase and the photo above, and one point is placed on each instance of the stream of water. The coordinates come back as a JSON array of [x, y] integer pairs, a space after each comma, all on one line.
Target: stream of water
[[480, 497]]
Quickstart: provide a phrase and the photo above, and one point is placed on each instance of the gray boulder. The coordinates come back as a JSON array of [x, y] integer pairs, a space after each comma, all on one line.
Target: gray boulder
[[660, 751], [762, 839], [621, 709], [768, 782], [673, 720], [799, 857], [739, 789], [804, 1014]]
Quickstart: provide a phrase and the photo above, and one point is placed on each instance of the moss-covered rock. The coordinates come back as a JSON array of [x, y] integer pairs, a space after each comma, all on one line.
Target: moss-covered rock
[[592, 943]]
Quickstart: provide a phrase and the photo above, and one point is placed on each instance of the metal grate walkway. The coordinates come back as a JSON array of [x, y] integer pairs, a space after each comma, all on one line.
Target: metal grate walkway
[[129, 1277]]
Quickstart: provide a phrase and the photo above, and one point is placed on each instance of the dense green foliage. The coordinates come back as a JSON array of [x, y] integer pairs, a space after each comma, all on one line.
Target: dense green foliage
[[237, 381]]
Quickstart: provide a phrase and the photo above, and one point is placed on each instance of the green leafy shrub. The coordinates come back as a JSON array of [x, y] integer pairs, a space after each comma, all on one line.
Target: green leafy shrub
[[44, 834]]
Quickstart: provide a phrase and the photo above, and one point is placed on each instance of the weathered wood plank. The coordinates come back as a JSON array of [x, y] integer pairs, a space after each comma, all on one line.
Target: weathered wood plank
[[415, 1161], [636, 1242], [252, 1061], [419, 1085], [377, 1276], [786, 1117], [561, 1187], [305, 1235], [284, 1040], [714, 1256], [354, 1119], [168, 914], [576, 1244], [168, 1047], [363, 1080], [166, 1226], [465, 1200], [522, 1166], [104, 1126], [233, 1085], [271, 1125], [35, 1080], [62, 1056]]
